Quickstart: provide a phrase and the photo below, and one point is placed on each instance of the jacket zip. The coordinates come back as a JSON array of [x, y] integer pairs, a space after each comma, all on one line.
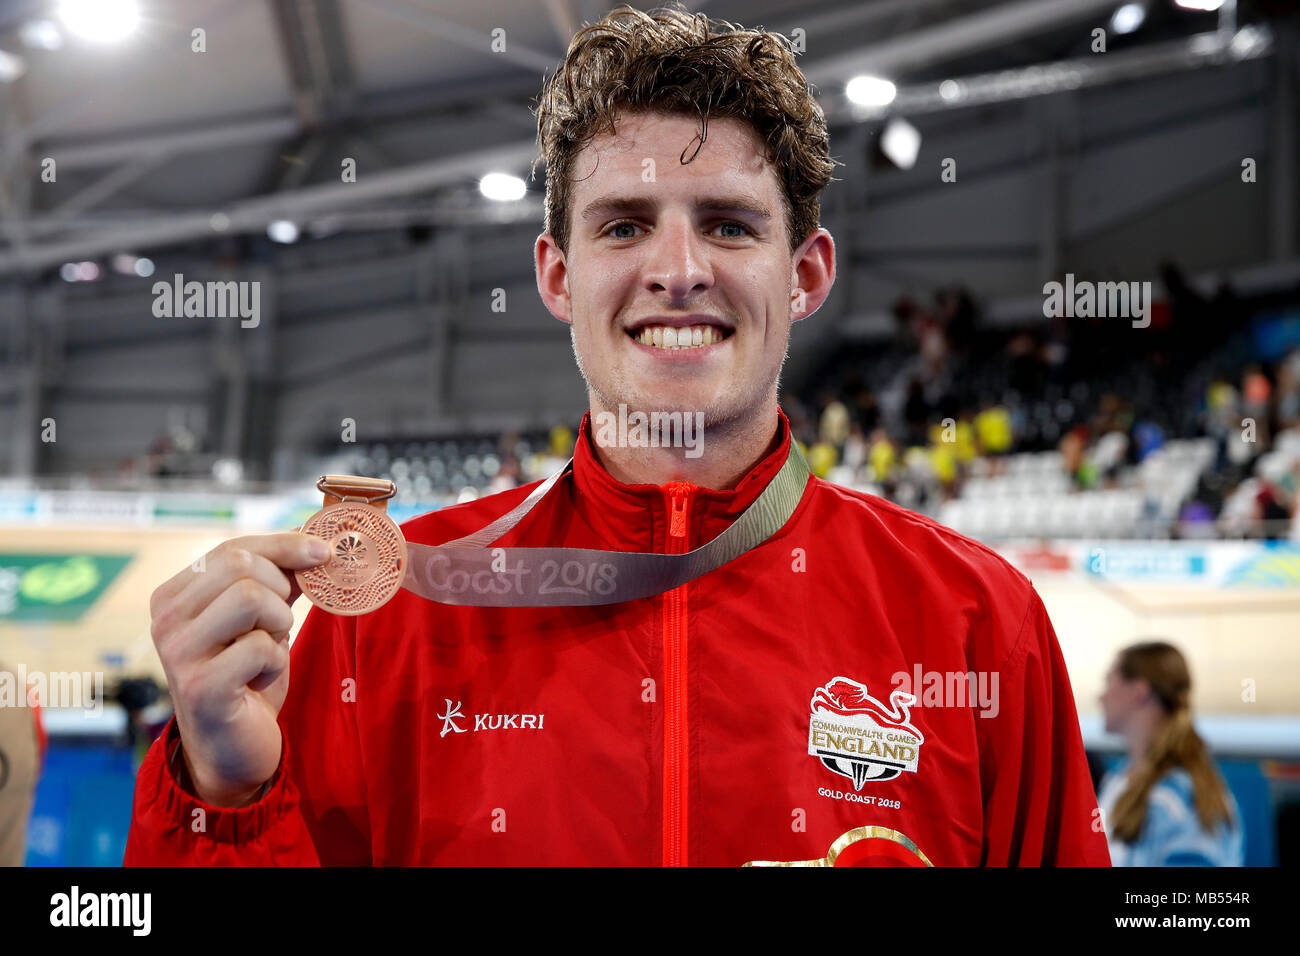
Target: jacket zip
[[676, 736]]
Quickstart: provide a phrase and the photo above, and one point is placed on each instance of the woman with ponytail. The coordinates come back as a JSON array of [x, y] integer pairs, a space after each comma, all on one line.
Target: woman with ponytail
[[1166, 805]]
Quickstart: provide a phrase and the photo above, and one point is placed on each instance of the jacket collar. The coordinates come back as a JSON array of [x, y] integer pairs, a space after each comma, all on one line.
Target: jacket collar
[[635, 517]]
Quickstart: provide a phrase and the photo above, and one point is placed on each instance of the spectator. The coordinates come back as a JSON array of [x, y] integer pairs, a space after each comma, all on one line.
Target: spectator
[[881, 456], [1166, 805], [834, 427], [855, 449], [867, 410], [507, 476], [822, 457]]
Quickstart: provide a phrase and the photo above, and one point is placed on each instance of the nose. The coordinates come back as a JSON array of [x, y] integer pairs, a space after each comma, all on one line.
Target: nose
[[677, 260]]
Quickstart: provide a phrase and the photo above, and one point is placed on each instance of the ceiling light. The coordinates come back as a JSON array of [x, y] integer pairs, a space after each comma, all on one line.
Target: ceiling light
[[1128, 18], [870, 91], [100, 21], [282, 230], [901, 142], [502, 187]]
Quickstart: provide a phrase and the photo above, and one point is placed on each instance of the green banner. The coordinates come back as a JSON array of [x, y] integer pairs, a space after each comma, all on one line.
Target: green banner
[[196, 510], [54, 587]]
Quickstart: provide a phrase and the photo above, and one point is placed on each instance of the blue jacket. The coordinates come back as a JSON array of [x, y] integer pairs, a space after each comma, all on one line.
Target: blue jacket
[[1172, 834]]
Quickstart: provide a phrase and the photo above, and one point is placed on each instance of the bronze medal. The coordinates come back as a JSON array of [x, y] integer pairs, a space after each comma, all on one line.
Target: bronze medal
[[368, 560]]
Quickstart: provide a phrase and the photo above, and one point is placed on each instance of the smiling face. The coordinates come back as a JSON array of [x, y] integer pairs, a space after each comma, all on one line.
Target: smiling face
[[679, 283]]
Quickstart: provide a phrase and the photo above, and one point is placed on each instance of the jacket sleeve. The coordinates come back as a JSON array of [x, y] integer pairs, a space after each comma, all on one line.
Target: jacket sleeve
[[313, 812], [1039, 804]]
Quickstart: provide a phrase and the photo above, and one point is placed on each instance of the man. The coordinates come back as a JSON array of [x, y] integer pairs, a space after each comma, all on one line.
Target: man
[[737, 718]]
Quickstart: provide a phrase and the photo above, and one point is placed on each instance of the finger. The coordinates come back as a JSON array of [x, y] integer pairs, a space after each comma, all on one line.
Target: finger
[[256, 660], [222, 571], [285, 549], [290, 550], [246, 605]]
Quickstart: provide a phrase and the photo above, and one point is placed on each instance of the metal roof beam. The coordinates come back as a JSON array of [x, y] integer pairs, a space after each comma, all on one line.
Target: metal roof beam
[[253, 215], [954, 38], [463, 36]]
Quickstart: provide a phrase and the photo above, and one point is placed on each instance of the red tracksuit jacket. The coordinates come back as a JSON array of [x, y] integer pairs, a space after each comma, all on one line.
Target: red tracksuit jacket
[[757, 714]]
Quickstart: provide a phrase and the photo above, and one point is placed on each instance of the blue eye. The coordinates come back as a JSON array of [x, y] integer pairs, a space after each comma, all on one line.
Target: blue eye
[[620, 225], [740, 225]]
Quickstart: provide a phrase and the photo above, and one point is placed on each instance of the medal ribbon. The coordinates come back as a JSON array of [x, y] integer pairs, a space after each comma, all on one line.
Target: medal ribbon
[[469, 572]]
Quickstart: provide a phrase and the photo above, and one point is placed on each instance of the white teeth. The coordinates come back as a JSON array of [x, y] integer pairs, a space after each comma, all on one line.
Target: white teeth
[[670, 337]]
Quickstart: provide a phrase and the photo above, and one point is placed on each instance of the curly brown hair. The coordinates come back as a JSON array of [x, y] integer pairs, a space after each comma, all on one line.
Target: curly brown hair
[[672, 61]]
